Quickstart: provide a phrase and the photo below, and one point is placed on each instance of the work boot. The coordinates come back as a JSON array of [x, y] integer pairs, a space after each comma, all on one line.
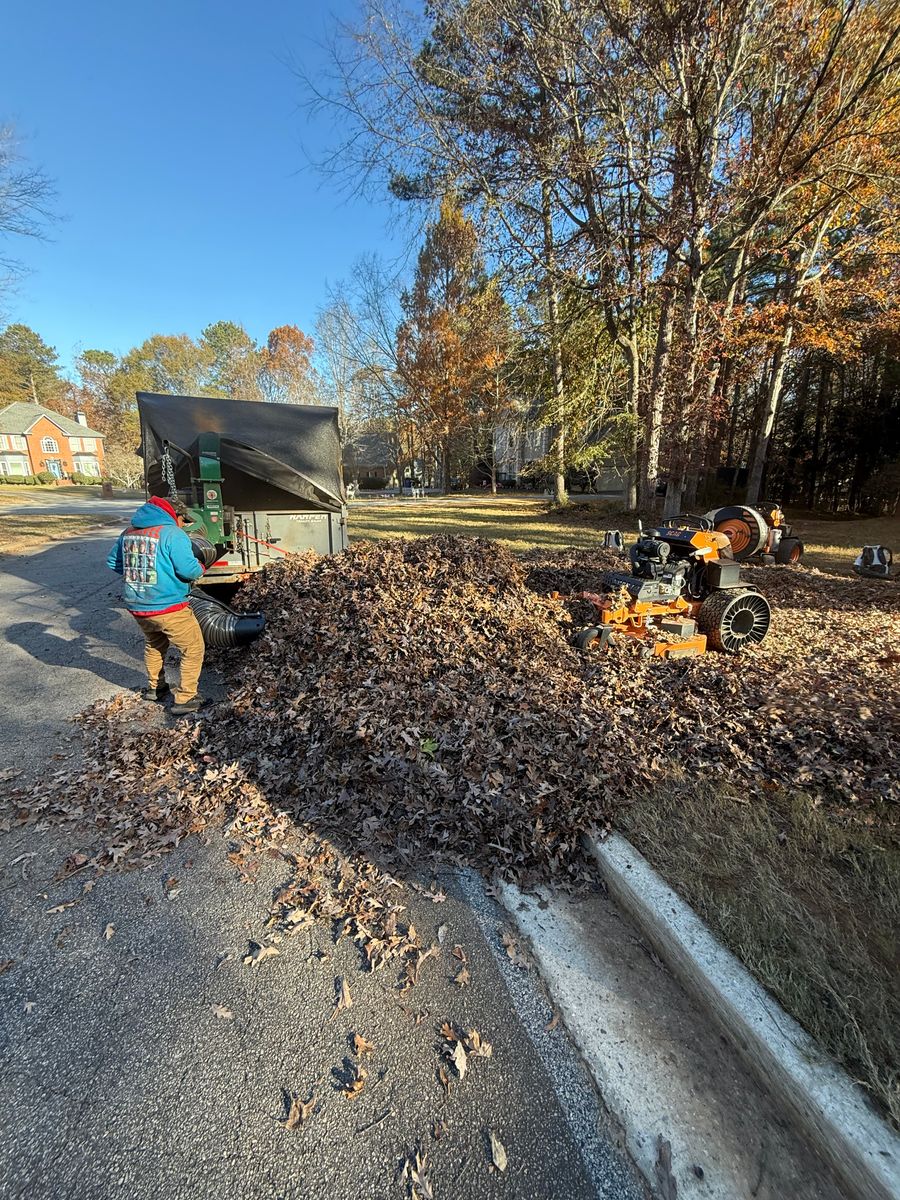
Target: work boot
[[188, 706], [156, 694]]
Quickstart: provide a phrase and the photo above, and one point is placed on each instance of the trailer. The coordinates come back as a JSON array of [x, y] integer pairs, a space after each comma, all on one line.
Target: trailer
[[260, 480]]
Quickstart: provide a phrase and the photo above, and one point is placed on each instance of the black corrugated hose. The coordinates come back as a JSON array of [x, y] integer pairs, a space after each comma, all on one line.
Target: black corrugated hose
[[221, 626]]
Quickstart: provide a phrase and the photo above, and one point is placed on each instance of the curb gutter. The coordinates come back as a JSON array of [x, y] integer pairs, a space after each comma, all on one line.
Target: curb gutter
[[833, 1113]]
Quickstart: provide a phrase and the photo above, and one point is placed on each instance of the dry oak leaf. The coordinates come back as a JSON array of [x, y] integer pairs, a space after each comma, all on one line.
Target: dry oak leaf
[[462, 978], [415, 1175], [498, 1151], [477, 1046], [361, 1045], [223, 1013], [459, 1060], [258, 954], [109, 931], [342, 998], [58, 908], [298, 1112], [357, 1083]]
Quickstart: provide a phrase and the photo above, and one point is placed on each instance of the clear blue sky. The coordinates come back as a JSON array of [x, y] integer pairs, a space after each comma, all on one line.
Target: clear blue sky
[[174, 133]]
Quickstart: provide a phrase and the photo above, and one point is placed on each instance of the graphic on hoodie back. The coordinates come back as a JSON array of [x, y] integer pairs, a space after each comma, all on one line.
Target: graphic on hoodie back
[[139, 547]]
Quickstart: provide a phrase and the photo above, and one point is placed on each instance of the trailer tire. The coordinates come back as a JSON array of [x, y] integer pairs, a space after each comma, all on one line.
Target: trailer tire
[[733, 620]]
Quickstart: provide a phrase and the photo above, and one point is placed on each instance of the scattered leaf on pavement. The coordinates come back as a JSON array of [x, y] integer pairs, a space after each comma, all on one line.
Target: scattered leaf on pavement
[[463, 977], [458, 1058], [477, 1046], [342, 998], [258, 954], [414, 1174], [109, 931], [498, 1151], [223, 1013], [362, 1046], [356, 1082], [299, 1111]]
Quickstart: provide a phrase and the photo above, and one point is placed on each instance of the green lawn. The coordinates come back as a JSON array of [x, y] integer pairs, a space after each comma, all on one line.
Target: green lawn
[[526, 523]]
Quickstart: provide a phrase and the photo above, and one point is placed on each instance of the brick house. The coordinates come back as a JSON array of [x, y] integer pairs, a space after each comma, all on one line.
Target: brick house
[[35, 439]]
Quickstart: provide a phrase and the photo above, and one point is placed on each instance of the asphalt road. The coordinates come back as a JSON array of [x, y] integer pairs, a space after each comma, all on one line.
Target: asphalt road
[[118, 1080]]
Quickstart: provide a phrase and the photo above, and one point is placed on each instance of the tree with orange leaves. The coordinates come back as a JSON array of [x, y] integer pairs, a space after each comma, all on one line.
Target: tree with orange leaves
[[286, 374], [446, 344]]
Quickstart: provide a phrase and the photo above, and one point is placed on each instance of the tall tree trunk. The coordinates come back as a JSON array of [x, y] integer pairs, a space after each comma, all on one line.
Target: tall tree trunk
[[770, 408], [790, 480], [812, 481], [657, 398], [558, 431], [633, 359]]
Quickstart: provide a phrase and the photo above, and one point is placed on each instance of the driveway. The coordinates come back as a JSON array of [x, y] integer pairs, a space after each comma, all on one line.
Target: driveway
[[139, 1056]]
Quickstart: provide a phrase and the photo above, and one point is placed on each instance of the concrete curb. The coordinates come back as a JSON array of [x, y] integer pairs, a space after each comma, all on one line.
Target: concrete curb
[[832, 1112]]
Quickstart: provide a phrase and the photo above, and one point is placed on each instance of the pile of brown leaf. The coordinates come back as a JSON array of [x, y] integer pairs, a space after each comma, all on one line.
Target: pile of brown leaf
[[421, 700]]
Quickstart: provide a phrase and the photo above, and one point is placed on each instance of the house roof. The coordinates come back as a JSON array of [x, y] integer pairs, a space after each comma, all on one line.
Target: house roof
[[18, 418], [372, 449]]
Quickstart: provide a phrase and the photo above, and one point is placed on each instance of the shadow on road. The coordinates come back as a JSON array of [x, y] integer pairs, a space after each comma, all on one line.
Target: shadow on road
[[65, 640], [52, 650]]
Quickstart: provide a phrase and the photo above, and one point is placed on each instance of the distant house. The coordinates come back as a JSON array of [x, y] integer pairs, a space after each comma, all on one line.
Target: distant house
[[35, 439], [370, 461]]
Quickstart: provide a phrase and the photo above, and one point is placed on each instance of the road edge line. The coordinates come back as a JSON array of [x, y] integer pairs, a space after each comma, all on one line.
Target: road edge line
[[832, 1111]]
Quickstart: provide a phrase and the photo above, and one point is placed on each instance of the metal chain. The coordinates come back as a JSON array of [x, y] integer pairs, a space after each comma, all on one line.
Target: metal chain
[[168, 473]]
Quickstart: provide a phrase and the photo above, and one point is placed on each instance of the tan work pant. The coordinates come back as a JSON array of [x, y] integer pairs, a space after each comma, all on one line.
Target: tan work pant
[[178, 629]]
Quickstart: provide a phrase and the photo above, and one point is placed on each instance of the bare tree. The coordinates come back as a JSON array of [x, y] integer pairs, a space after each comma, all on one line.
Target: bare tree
[[26, 195]]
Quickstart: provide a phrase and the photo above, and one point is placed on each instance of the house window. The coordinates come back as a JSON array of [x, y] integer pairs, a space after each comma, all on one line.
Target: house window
[[49, 445], [87, 466], [75, 445], [13, 466], [18, 443], [89, 444]]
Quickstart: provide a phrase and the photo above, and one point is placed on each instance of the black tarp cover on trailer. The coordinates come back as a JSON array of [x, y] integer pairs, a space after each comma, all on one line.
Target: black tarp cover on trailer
[[295, 447]]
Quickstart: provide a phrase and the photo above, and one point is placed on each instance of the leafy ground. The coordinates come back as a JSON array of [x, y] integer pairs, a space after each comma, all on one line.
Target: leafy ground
[[806, 892], [420, 702], [27, 532]]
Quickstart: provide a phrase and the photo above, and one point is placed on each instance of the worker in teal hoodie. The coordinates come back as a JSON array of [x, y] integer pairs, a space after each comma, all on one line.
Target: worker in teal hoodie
[[156, 559]]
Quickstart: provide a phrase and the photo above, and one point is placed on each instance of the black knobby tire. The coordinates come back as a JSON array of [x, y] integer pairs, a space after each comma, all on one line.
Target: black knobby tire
[[585, 638], [733, 620], [790, 550]]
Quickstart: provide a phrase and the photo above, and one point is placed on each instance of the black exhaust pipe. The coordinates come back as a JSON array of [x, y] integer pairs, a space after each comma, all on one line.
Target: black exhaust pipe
[[221, 626]]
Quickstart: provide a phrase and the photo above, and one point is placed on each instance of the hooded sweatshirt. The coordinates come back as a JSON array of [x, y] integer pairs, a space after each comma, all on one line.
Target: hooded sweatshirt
[[156, 560]]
